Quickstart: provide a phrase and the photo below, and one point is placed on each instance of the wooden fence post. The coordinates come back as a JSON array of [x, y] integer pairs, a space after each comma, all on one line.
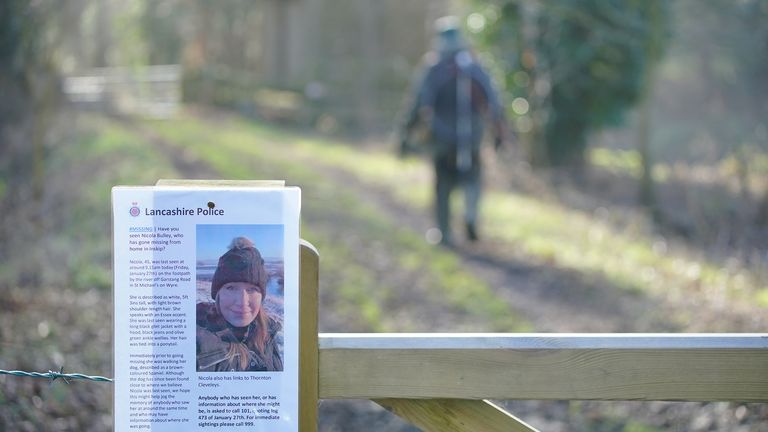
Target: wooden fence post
[[308, 346]]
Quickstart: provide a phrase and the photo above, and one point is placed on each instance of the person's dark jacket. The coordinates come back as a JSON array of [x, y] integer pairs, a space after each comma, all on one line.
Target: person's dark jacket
[[437, 94]]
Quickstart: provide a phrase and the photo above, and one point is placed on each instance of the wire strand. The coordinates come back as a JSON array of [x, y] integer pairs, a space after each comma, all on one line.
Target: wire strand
[[53, 376]]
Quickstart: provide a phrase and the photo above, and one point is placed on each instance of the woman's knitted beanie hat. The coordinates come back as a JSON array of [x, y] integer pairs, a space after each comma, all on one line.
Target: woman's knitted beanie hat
[[241, 263]]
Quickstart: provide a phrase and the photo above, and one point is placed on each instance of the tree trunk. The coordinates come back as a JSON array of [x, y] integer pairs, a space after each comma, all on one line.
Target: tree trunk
[[647, 186], [648, 197], [369, 63]]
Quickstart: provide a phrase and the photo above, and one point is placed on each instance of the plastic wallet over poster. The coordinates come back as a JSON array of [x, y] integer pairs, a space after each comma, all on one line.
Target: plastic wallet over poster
[[215, 308]]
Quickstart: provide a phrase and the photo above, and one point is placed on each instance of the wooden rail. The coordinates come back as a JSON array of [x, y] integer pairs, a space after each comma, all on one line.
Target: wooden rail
[[545, 366], [441, 382], [458, 372]]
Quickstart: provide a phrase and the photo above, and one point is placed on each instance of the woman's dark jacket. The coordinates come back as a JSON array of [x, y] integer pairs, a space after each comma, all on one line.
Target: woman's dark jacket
[[215, 337]]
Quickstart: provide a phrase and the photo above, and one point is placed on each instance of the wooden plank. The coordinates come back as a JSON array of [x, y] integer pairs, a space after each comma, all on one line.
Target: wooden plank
[[542, 340], [718, 367], [220, 183], [455, 415], [308, 345]]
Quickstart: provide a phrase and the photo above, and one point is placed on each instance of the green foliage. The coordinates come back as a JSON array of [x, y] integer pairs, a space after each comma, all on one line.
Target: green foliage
[[160, 23], [717, 68], [130, 46], [626, 162], [20, 25], [762, 297], [580, 64]]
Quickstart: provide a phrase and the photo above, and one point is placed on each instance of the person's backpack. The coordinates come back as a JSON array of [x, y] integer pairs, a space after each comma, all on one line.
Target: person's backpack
[[448, 77], [452, 99], [459, 98]]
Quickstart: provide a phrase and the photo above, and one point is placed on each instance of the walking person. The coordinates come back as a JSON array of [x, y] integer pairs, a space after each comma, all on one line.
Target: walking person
[[452, 100]]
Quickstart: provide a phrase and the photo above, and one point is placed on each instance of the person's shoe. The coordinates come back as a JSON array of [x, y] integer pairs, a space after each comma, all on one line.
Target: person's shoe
[[472, 232]]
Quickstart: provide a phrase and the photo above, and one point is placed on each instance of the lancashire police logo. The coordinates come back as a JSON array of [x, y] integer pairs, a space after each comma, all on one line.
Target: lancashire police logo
[[135, 210]]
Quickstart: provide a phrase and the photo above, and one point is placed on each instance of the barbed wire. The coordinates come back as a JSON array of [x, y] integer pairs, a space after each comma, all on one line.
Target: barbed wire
[[53, 376]]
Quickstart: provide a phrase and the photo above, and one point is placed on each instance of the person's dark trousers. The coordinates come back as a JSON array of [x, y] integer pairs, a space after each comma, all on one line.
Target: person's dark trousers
[[447, 177]]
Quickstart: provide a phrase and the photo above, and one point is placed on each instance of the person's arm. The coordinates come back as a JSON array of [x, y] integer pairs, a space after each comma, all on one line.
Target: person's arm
[[496, 110], [420, 100], [410, 119]]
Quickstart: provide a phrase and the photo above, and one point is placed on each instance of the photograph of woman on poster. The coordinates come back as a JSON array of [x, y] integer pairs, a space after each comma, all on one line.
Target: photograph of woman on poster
[[235, 332]]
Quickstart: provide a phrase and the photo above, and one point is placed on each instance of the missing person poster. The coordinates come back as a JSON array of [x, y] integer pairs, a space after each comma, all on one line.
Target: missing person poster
[[206, 293]]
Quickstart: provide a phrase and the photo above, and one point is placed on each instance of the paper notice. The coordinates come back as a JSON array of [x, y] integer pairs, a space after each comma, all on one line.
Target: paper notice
[[206, 308]]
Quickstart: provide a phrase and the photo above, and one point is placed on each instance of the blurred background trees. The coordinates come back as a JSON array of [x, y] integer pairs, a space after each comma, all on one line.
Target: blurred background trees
[[669, 84], [572, 67], [569, 68], [30, 90]]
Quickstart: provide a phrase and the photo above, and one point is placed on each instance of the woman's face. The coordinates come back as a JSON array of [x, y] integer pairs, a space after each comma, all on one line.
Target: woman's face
[[239, 302]]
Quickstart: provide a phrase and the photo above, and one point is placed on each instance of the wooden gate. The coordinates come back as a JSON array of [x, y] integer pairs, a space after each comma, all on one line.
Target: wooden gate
[[443, 382]]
